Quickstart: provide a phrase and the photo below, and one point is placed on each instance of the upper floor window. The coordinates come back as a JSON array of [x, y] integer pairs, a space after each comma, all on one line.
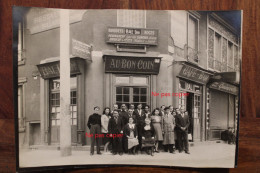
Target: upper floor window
[[193, 38], [131, 18], [222, 52], [20, 42]]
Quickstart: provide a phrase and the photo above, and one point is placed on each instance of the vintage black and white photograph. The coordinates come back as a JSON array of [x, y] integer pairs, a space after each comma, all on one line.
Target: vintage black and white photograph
[[127, 87]]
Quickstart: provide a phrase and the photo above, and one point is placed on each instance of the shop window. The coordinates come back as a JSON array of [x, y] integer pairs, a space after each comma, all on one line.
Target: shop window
[[193, 39], [55, 101], [131, 18], [136, 91]]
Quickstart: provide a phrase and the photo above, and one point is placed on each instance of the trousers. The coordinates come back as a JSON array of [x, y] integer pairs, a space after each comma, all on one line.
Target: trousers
[[95, 129]]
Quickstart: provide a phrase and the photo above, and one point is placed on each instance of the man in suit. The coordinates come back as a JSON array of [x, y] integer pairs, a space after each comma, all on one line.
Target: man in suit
[[182, 123], [115, 127], [146, 113], [131, 115], [123, 114], [139, 123], [94, 124]]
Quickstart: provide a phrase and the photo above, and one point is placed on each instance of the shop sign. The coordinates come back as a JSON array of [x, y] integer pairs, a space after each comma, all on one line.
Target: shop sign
[[80, 49], [52, 69], [225, 87], [43, 19], [194, 74], [132, 36], [123, 64]]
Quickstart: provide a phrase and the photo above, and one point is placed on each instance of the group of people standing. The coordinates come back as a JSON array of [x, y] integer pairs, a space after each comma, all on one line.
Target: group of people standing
[[140, 129]]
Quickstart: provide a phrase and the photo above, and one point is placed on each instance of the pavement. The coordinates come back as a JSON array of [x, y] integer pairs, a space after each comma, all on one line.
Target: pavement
[[202, 154]]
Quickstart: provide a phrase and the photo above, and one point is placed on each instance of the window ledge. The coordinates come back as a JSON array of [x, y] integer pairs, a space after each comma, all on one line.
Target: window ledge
[[21, 62]]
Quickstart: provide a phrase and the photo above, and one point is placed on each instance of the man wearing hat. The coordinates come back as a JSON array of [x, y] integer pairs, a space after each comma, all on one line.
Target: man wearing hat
[[94, 124]]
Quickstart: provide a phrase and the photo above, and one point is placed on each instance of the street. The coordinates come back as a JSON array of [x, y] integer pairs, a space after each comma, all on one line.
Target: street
[[202, 154]]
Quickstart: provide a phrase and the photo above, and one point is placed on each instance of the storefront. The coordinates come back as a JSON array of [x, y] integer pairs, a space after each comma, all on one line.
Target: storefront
[[50, 90], [192, 80], [222, 108], [131, 79]]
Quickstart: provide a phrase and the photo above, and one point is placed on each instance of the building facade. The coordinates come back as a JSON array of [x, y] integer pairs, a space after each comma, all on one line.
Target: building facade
[[125, 56]]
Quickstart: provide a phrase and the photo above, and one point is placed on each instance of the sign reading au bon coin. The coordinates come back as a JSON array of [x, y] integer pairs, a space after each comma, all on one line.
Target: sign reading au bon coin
[[126, 64], [132, 36]]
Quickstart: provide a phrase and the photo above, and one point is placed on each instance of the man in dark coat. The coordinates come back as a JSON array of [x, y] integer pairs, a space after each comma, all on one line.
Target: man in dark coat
[[182, 123], [131, 115], [139, 123], [115, 127], [94, 124], [123, 114]]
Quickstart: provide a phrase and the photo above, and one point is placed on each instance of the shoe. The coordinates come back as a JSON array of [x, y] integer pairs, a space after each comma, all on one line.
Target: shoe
[[114, 153], [121, 153], [99, 153], [187, 152], [91, 154], [180, 151]]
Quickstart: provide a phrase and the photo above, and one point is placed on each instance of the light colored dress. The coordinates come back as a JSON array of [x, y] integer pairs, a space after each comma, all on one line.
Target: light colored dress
[[168, 124], [157, 124], [132, 141], [104, 123]]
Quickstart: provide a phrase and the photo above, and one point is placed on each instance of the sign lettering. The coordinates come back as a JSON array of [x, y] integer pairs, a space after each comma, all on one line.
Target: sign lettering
[[146, 65]]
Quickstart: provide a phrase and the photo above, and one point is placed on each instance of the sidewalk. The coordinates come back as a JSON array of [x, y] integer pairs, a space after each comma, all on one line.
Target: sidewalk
[[204, 154]]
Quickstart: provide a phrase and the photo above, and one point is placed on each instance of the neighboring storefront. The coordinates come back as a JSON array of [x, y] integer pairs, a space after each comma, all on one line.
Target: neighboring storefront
[[222, 109], [192, 79]]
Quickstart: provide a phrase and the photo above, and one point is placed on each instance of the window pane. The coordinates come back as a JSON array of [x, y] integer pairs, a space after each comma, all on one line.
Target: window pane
[[75, 121], [126, 98], [224, 55], [230, 56], [143, 98], [136, 98], [136, 91], [122, 79], [139, 80], [192, 35], [74, 108], [73, 82], [182, 84], [119, 98], [118, 90], [217, 47], [57, 109], [53, 122], [143, 90], [126, 90], [211, 49]]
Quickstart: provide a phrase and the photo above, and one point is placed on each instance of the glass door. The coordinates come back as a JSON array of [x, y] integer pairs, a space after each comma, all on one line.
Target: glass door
[[55, 109]]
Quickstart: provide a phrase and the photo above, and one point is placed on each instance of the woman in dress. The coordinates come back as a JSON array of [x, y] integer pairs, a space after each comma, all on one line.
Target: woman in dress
[[162, 110], [148, 134], [168, 124], [157, 124], [104, 124], [130, 132]]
